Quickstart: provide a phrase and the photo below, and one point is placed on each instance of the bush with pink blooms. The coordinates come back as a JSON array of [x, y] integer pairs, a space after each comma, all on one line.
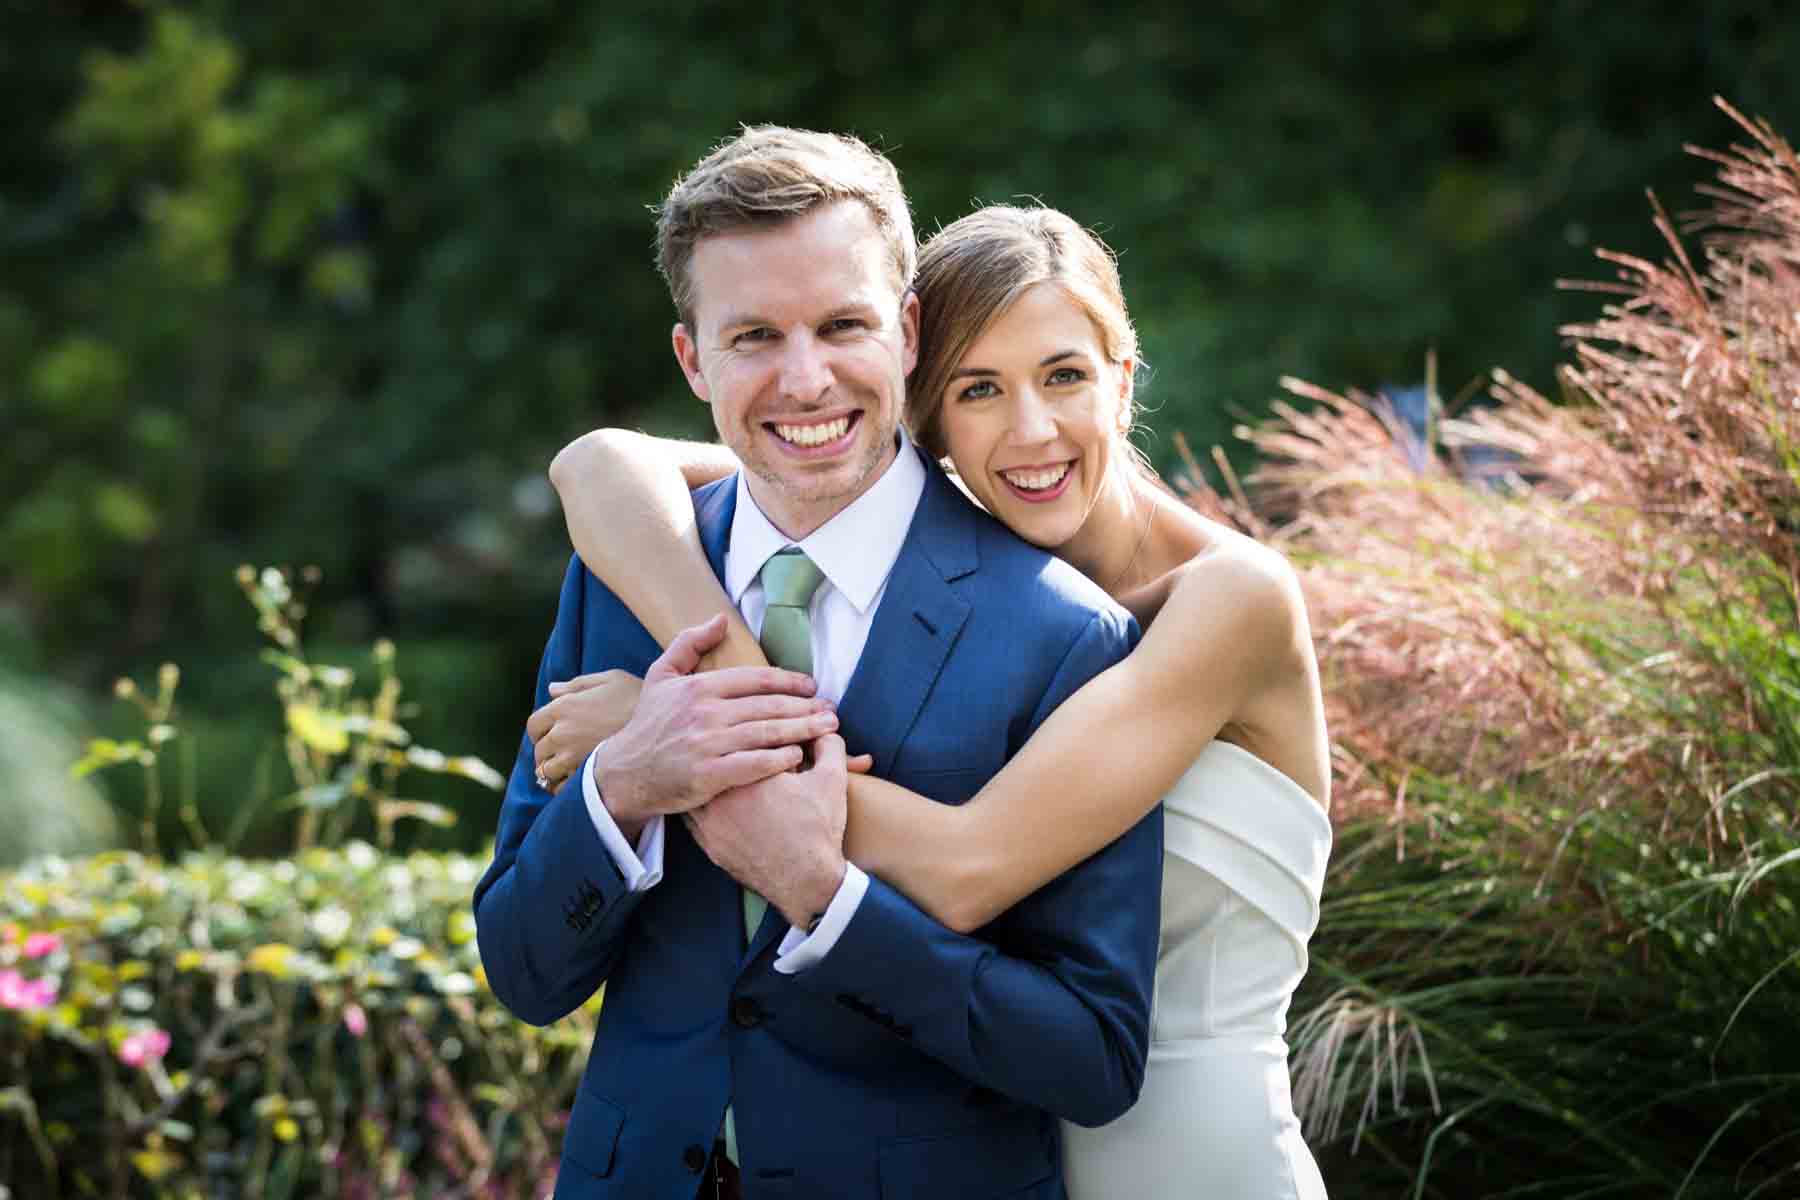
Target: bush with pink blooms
[[318, 1026]]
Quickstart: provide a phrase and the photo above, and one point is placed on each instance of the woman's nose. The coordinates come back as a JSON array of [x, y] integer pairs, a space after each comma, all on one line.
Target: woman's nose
[[805, 370], [1033, 421]]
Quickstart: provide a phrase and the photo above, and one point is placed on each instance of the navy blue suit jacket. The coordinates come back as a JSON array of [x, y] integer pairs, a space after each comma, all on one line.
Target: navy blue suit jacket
[[913, 1061]]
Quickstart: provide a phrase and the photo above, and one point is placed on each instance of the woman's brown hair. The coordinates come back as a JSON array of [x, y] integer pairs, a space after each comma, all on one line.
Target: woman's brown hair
[[975, 268]]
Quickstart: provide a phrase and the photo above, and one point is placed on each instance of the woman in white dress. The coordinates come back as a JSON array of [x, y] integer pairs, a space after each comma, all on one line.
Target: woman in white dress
[[1024, 382]]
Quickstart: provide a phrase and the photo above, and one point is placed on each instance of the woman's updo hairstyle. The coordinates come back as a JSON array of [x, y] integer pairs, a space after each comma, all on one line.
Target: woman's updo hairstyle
[[974, 269]]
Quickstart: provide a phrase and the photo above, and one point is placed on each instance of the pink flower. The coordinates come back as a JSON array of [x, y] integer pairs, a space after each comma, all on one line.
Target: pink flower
[[41, 945], [143, 1047], [356, 1020], [18, 992]]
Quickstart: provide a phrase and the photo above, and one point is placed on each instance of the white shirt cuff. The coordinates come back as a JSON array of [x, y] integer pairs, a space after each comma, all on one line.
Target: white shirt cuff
[[642, 866], [799, 949]]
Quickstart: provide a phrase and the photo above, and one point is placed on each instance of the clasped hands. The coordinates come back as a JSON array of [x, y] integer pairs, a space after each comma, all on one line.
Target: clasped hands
[[721, 750]]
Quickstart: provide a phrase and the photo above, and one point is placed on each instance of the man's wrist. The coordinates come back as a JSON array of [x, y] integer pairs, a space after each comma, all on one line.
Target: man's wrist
[[822, 887], [616, 799]]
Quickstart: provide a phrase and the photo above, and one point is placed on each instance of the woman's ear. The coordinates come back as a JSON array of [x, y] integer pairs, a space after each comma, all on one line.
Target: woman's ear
[[1127, 386]]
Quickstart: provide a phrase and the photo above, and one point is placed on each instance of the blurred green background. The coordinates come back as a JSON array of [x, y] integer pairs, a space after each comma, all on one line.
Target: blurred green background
[[329, 284]]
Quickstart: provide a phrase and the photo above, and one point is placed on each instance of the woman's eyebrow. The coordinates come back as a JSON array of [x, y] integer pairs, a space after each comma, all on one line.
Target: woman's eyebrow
[[962, 372]]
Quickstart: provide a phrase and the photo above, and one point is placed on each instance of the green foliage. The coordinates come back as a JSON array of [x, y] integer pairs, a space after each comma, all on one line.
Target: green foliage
[[43, 810], [1610, 1023], [345, 752], [278, 286], [304, 1027]]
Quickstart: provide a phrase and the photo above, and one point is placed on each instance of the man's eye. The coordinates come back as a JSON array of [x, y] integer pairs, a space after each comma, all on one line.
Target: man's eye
[[760, 334], [981, 389], [845, 325], [1067, 375]]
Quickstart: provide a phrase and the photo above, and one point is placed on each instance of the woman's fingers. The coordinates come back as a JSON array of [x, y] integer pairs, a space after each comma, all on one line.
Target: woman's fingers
[[581, 683], [859, 764]]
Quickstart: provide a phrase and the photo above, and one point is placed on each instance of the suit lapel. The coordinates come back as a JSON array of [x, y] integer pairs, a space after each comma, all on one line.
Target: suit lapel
[[714, 506], [916, 626]]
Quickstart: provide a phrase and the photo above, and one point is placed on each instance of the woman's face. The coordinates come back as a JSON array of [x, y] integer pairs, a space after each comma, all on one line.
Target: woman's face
[[1033, 414]]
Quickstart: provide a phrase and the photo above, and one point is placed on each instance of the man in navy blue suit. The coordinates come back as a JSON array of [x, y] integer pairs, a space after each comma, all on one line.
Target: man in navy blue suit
[[777, 1022]]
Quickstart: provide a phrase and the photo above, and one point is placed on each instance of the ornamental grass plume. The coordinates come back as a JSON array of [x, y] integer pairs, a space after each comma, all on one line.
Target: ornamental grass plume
[[1561, 652], [1553, 623]]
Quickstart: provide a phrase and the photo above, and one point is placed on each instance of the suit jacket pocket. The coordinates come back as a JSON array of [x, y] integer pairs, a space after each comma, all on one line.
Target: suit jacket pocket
[[592, 1138], [979, 1164]]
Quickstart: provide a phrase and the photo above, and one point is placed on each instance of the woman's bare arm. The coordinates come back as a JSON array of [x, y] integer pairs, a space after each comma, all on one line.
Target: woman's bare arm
[[630, 514], [1104, 758], [1101, 761]]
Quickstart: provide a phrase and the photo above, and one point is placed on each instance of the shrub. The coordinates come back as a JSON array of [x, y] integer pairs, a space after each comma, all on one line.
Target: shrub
[[226, 1027], [1562, 654]]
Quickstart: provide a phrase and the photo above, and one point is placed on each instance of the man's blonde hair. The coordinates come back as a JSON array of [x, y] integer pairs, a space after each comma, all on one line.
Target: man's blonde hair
[[769, 174]]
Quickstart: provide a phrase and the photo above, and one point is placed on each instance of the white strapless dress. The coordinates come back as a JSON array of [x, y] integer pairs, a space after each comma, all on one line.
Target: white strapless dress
[[1243, 865]]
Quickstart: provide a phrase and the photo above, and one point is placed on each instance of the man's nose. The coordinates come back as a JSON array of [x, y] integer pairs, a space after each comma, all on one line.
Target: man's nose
[[1033, 422], [805, 369]]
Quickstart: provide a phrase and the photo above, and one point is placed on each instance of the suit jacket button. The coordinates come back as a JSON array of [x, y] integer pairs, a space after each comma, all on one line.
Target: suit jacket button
[[746, 1013], [693, 1158]]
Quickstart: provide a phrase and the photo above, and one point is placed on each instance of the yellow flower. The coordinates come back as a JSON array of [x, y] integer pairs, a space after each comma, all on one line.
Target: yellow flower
[[321, 730], [154, 1164], [462, 927], [287, 1129], [271, 958]]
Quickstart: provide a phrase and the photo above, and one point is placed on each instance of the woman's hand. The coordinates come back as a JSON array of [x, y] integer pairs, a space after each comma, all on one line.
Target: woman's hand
[[582, 713]]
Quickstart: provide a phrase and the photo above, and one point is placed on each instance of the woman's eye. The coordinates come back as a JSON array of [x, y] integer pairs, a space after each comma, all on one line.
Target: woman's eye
[[1067, 375], [981, 389]]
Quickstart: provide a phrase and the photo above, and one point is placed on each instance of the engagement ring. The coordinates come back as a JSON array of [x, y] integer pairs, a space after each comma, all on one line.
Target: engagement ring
[[542, 780]]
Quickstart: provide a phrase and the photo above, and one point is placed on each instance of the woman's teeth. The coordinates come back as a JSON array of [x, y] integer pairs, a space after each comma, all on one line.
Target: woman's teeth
[[814, 435], [1038, 480]]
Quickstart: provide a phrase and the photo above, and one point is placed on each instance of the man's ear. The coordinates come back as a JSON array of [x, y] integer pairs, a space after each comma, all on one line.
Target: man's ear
[[909, 331], [687, 353]]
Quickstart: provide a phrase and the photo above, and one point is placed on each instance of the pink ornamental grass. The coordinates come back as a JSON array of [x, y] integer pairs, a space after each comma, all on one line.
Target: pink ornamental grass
[[143, 1047], [19, 993], [42, 945]]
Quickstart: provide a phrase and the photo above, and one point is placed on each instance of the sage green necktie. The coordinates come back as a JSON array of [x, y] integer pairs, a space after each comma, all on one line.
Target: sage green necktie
[[789, 580]]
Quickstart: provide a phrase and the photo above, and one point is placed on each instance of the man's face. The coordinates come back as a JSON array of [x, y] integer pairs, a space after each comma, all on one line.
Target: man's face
[[802, 343]]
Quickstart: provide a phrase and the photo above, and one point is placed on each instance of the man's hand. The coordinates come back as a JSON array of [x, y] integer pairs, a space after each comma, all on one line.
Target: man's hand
[[784, 836], [693, 736]]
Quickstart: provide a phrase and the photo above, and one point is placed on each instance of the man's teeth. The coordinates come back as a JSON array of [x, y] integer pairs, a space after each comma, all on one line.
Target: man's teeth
[[814, 435], [1037, 481]]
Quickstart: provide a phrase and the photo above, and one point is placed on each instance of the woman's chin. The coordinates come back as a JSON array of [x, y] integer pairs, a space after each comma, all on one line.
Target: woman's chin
[[1045, 530]]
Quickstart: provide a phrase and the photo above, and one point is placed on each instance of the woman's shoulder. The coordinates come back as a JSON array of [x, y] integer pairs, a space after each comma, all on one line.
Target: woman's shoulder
[[1234, 591]]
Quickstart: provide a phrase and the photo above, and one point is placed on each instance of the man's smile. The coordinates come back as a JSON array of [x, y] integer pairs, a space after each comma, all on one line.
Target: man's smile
[[816, 437]]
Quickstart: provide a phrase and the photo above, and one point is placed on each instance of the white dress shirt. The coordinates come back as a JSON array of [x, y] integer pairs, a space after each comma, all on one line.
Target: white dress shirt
[[856, 551]]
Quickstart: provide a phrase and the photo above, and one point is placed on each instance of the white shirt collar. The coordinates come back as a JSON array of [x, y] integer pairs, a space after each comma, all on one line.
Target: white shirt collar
[[855, 549]]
